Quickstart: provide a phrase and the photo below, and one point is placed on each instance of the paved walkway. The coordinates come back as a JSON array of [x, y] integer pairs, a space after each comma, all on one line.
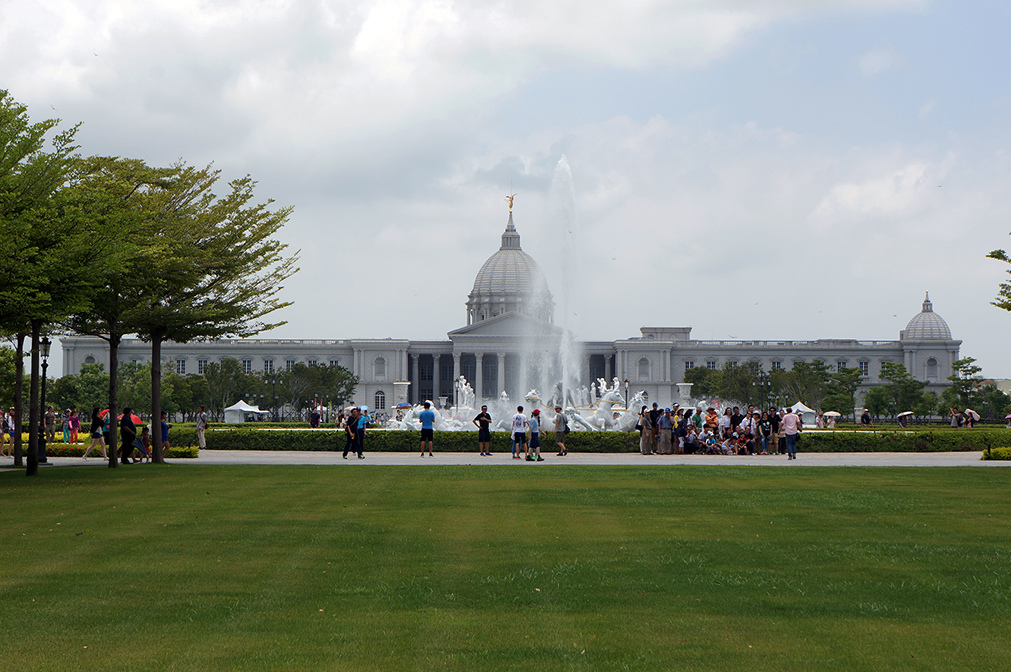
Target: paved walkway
[[966, 459]]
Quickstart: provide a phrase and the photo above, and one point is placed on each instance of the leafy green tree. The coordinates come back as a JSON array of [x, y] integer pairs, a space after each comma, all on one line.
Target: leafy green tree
[[965, 381], [705, 381], [879, 401], [302, 383], [808, 381], [841, 390], [226, 383], [8, 376], [50, 256], [739, 382], [928, 404], [904, 390]]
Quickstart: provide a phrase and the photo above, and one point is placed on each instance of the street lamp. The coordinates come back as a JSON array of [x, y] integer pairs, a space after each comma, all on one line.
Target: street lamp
[[273, 389], [44, 345], [626, 394]]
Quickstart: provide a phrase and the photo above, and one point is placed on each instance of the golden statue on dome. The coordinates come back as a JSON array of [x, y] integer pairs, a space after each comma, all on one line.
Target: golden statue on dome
[[510, 198]]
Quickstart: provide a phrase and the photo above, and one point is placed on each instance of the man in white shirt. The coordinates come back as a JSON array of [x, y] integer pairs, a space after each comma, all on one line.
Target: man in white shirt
[[791, 425], [519, 430]]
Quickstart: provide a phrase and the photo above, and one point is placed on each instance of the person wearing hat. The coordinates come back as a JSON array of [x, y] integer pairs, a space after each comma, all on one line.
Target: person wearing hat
[[534, 447], [483, 421], [561, 429], [665, 425]]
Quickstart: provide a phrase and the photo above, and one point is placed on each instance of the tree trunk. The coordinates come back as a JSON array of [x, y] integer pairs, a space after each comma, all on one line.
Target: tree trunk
[[156, 448], [34, 414], [114, 339], [19, 403]]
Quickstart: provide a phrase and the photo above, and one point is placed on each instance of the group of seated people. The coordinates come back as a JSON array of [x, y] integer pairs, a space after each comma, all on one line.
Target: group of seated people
[[693, 431]]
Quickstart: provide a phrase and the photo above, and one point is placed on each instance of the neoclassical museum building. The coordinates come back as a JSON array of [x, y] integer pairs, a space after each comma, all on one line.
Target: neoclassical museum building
[[510, 329]]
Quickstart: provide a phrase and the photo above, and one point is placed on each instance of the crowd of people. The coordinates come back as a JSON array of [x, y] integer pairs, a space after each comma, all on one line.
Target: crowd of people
[[681, 431]]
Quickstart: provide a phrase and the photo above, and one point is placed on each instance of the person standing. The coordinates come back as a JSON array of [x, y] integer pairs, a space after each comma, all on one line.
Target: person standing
[[363, 422], [165, 427], [75, 425], [201, 427], [665, 425], [791, 428], [534, 452], [774, 420], [127, 432], [351, 432], [50, 425], [519, 432], [427, 418], [561, 429], [765, 431], [66, 425], [647, 443], [483, 423], [865, 420]]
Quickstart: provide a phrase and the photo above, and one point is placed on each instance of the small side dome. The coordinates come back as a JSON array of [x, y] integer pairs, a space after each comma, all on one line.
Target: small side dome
[[926, 326]]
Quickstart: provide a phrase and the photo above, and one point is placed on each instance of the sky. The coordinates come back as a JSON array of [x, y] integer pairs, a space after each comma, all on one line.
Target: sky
[[761, 169]]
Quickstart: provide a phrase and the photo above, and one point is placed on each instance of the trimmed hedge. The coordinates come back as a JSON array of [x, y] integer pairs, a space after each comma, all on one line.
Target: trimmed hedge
[[940, 440], [1002, 453], [77, 450]]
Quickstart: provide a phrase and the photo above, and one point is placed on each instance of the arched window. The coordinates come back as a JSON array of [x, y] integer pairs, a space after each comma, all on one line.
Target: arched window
[[643, 369], [380, 400], [89, 360], [932, 370], [380, 368]]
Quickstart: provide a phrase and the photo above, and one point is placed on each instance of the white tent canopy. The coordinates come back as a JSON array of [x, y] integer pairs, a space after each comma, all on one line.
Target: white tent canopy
[[806, 413], [237, 412]]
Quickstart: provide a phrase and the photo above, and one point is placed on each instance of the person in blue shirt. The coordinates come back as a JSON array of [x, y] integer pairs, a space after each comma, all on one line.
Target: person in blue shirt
[[427, 418], [363, 420], [534, 449]]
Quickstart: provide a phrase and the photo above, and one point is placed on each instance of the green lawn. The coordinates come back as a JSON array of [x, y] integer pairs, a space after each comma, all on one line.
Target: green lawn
[[190, 567]]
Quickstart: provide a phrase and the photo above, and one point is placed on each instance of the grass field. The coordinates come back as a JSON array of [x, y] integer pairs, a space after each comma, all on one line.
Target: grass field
[[599, 568]]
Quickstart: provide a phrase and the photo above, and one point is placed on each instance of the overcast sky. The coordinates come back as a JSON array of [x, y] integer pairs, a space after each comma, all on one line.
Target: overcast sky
[[779, 169]]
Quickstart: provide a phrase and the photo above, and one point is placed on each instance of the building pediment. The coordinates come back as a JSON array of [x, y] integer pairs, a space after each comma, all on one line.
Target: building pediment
[[510, 324]]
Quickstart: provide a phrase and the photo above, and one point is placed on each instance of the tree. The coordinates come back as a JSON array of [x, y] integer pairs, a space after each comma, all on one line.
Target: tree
[[226, 383], [705, 381], [808, 382], [965, 380], [218, 270], [302, 383], [841, 389], [739, 382], [47, 260], [879, 401], [904, 390]]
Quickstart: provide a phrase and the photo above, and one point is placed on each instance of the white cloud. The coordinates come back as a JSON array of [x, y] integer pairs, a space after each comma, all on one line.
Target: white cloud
[[876, 61]]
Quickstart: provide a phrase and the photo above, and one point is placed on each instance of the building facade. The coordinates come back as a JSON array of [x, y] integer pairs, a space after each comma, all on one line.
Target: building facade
[[510, 340]]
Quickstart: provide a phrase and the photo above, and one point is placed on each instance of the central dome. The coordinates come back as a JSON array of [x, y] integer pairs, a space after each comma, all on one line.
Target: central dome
[[510, 281], [926, 325]]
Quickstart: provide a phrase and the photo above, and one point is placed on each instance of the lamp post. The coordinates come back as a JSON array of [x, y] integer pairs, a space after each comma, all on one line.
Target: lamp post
[[44, 345], [273, 390], [626, 394]]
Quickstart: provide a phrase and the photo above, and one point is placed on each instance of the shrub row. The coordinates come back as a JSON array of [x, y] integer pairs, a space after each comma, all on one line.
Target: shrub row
[[77, 450], [940, 440], [1002, 453]]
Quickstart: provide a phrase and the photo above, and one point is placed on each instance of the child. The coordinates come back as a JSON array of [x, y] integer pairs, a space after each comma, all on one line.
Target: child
[[142, 443]]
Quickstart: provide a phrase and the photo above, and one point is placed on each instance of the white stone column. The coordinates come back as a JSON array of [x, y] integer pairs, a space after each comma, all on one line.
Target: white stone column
[[436, 376], [501, 374], [416, 380], [607, 367], [456, 376], [479, 376]]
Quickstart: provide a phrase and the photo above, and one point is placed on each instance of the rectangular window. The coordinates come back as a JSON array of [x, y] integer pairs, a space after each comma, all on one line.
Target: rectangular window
[[777, 365], [311, 362], [840, 365], [288, 363], [710, 363], [689, 365], [247, 366], [425, 372], [202, 364], [181, 367], [865, 368], [335, 362], [268, 366]]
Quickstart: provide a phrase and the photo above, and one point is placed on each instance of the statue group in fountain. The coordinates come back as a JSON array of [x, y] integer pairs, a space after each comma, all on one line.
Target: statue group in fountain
[[597, 408]]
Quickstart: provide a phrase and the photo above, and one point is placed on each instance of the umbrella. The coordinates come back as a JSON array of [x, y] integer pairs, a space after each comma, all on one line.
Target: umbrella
[[832, 414], [974, 414], [905, 413], [404, 404], [1008, 416], [136, 420]]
